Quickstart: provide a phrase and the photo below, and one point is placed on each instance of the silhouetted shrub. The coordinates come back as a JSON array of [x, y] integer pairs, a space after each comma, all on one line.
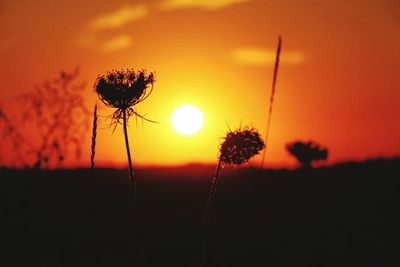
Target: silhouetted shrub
[[307, 152]]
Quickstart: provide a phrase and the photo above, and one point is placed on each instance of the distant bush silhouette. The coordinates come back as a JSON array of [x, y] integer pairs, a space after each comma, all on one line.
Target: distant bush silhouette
[[57, 111], [307, 152]]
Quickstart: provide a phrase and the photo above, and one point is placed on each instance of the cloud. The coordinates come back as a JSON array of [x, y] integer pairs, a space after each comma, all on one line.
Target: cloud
[[118, 18], [258, 56], [86, 40], [117, 43], [206, 4]]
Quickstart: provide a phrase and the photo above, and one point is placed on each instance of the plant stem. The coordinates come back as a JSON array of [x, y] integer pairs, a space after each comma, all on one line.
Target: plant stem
[[128, 152], [207, 213], [133, 192], [94, 134]]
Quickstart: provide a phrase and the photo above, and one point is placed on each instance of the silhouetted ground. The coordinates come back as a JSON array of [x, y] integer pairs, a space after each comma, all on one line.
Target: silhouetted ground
[[346, 215]]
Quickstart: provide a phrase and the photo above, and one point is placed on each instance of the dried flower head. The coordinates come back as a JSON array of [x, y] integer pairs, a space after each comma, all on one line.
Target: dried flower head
[[122, 89], [240, 145]]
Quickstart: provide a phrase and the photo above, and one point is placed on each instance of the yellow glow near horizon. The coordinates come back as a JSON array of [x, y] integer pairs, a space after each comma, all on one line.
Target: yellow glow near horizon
[[187, 119]]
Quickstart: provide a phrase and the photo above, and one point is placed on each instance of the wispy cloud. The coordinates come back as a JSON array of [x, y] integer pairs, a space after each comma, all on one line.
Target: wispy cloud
[[86, 39], [206, 4], [118, 18], [258, 56], [118, 43]]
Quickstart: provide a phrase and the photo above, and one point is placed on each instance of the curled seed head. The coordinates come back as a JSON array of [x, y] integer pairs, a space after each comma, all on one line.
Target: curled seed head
[[241, 145]]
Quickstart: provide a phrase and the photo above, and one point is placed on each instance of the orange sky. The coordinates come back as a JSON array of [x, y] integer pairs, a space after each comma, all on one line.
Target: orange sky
[[338, 81]]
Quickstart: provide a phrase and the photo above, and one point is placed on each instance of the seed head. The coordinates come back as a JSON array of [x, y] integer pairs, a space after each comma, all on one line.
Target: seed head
[[240, 145], [122, 89]]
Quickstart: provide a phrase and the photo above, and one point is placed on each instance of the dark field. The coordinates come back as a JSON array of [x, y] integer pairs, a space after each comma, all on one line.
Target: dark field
[[346, 215]]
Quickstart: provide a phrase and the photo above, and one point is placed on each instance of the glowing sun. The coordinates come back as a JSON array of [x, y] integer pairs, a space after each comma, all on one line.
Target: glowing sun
[[187, 119]]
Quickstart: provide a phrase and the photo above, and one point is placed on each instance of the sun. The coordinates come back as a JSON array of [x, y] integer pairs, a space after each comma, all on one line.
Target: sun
[[187, 119]]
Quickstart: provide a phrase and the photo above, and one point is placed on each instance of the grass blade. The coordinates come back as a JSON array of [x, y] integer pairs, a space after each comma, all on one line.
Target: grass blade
[[94, 134], [271, 100]]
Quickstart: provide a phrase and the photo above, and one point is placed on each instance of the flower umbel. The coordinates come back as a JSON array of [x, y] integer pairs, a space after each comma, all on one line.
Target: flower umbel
[[122, 89], [241, 145]]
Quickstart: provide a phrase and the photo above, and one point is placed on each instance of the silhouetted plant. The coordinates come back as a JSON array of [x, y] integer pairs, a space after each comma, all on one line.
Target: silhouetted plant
[[307, 152], [94, 134], [11, 136], [271, 100], [237, 148], [122, 90], [58, 112]]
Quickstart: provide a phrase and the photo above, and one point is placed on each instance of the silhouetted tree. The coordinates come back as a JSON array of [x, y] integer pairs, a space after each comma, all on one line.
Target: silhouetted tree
[[307, 152]]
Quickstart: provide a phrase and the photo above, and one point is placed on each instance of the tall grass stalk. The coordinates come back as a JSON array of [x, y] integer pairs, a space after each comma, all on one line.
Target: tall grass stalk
[[271, 100], [94, 135]]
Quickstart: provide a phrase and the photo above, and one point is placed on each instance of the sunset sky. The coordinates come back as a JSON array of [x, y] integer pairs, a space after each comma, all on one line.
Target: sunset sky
[[338, 82]]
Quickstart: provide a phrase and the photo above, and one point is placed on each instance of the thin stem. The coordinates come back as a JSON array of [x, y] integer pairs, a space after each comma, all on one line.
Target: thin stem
[[128, 152], [207, 213], [133, 191]]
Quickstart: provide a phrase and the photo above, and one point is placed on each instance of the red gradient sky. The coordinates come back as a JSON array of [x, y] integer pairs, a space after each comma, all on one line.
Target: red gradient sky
[[338, 82]]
